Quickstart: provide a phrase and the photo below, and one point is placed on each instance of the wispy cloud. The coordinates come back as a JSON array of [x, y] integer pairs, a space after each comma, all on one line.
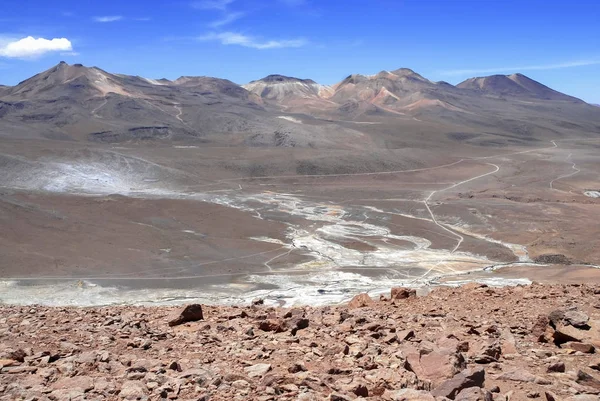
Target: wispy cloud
[[31, 47], [211, 4], [570, 64], [108, 18], [232, 38], [227, 19]]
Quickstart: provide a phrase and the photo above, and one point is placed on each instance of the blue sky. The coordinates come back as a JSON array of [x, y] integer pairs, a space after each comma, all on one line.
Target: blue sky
[[554, 42]]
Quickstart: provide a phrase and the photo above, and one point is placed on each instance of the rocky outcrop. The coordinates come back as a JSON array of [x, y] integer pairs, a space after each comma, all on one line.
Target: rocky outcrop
[[471, 343], [190, 313]]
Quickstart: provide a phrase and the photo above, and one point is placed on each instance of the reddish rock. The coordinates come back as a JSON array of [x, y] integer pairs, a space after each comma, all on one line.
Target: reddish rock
[[83, 383], [474, 394], [18, 355], [274, 325], [360, 301], [577, 346], [557, 367], [408, 395], [518, 375], [585, 379], [361, 390], [403, 293], [435, 366], [488, 353], [540, 329], [189, 313], [473, 377]]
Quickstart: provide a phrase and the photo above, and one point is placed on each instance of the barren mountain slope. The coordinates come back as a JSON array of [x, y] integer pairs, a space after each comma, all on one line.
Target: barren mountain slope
[[299, 95], [517, 85]]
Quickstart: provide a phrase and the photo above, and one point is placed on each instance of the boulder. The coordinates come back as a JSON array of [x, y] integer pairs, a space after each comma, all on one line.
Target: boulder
[[132, 390], [577, 346], [80, 383], [360, 301], [274, 325], [576, 318], [585, 379], [189, 313], [258, 370], [518, 375], [557, 367], [408, 395], [435, 366], [488, 353], [472, 377], [474, 394], [541, 330], [402, 293]]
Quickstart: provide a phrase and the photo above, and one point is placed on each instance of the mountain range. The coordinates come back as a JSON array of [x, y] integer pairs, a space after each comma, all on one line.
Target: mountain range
[[74, 102]]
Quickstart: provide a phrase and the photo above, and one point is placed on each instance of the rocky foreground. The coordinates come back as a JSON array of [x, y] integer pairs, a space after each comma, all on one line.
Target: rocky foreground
[[469, 343]]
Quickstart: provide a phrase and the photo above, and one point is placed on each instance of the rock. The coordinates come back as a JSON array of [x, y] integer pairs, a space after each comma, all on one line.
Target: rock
[[361, 390], [408, 395], [471, 377], [240, 384], [258, 370], [360, 301], [175, 366], [298, 323], [338, 397], [404, 335], [563, 334], [435, 366], [403, 293], [576, 319], [82, 383], [474, 394], [20, 369], [541, 328], [488, 353], [132, 390], [297, 367], [18, 355], [595, 365], [189, 313], [517, 375], [7, 362], [274, 325], [556, 367], [582, 397], [258, 301], [585, 379], [577, 346]]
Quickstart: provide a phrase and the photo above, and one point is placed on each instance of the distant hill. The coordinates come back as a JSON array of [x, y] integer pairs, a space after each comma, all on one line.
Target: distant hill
[[74, 102], [516, 85]]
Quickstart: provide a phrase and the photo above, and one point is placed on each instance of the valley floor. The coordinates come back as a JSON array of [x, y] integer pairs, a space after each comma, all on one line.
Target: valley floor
[[96, 225]]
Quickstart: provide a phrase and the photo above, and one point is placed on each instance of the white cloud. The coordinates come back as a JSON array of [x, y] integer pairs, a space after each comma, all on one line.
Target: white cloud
[[31, 47], [232, 38], [108, 18], [227, 19], [212, 4], [557, 66]]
